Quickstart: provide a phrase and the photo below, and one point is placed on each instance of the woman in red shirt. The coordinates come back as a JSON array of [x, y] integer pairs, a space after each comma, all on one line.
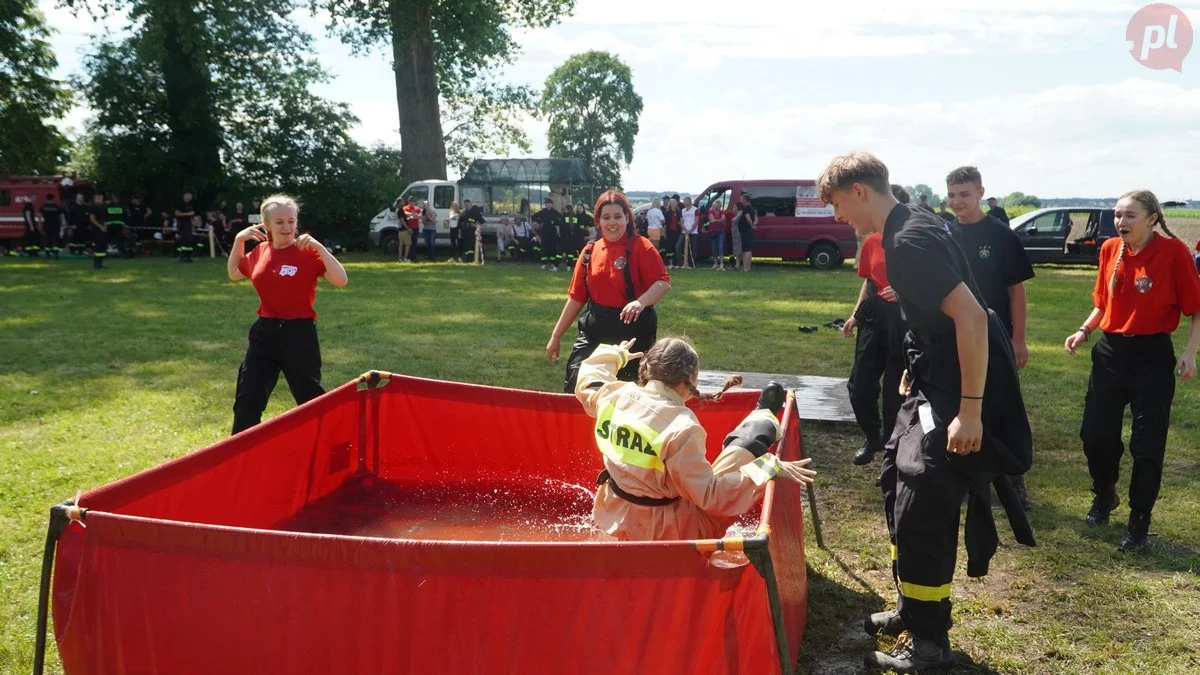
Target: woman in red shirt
[[620, 277], [284, 269], [1145, 282]]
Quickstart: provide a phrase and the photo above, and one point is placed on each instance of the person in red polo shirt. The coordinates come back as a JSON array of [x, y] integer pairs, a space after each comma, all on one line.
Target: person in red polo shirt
[[878, 348], [284, 269], [1145, 282], [620, 277]]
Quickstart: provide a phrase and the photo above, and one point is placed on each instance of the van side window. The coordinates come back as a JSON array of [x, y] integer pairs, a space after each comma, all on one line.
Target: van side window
[[418, 192], [443, 196], [772, 200]]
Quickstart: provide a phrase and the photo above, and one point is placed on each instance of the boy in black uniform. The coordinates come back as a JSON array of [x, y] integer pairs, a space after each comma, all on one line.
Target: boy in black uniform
[[79, 219], [184, 241], [998, 263], [52, 223], [550, 223], [586, 225], [115, 221], [962, 425], [471, 218], [98, 231], [33, 236]]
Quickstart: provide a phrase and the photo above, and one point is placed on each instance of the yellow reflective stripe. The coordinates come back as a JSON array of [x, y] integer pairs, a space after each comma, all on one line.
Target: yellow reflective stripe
[[621, 354], [762, 469], [610, 422], [894, 556], [926, 593]]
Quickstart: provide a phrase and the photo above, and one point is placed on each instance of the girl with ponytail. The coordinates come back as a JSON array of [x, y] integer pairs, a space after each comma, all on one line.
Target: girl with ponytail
[[657, 483], [1145, 282]]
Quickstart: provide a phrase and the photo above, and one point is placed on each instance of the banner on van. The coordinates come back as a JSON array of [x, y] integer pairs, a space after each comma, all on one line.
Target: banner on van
[[809, 204]]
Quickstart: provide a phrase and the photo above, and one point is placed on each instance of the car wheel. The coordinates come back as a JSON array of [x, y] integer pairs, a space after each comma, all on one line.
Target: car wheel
[[390, 243], [824, 257]]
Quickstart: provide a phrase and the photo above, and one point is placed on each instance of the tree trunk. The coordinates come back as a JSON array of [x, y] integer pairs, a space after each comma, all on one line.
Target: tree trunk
[[421, 142], [195, 136]]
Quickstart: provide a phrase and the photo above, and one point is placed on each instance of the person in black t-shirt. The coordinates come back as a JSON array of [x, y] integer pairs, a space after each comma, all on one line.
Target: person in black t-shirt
[[746, 223], [98, 231], [999, 264], [962, 427], [53, 220], [78, 222], [184, 239], [31, 242], [997, 258], [549, 224], [996, 211]]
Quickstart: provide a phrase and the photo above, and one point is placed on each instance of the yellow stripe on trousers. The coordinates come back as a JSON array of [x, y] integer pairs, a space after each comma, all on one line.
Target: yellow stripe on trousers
[[925, 593]]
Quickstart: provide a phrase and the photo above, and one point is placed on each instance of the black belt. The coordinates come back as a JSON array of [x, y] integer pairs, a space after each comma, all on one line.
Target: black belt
[[604, 477]]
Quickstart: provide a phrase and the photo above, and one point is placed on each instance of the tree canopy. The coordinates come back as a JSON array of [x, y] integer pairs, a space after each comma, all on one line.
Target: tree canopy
[[443, 53], [29, 96], [593, 112]]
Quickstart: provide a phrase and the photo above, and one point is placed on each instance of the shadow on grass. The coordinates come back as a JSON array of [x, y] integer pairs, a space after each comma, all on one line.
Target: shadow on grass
[[1164, 554]]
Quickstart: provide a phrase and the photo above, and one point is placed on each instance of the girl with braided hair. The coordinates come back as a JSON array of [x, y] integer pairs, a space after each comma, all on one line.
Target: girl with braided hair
[[657, 483], [1146, 281]]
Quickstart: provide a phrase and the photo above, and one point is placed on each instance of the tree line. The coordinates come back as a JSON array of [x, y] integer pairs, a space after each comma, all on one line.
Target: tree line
[[216, 97]]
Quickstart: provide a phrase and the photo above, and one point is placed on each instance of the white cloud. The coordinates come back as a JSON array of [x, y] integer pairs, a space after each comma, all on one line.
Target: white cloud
[[1069, 140]]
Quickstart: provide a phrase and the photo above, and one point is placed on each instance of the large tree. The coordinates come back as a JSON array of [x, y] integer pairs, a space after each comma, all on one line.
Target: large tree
[[29, 96], [440, 50], [593, 112], [209, 95]]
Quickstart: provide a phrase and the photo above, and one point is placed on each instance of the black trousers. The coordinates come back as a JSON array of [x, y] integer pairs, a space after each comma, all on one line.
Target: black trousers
[[53, 238], [549, 248], [602, 325], [454, 238], [1138, 371], [275, 345], [673, 249], [878, 353], [466, 243], [923, 497], [924, 486]]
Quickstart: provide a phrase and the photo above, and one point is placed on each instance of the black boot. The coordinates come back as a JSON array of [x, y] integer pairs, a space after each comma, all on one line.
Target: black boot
[[772, 397], [913, 654], [1018, 484], [889, 623], [1137, 533], [866, 454], [1102, 506]]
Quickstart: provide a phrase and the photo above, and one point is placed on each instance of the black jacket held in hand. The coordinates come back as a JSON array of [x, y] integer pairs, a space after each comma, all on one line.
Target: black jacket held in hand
[[924, 265]]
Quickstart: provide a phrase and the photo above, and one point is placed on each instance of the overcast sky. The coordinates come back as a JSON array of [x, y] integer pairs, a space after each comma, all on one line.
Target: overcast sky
[[1042, 95]]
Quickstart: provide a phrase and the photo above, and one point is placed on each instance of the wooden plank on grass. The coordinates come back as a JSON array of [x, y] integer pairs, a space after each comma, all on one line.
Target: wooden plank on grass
[[818, 398]]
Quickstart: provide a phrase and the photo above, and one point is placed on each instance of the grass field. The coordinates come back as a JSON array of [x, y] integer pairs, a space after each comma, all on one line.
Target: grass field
[[105, 374]]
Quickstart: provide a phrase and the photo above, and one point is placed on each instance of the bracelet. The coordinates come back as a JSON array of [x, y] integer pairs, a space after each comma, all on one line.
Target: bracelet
[[1087, 332], [973, 398]]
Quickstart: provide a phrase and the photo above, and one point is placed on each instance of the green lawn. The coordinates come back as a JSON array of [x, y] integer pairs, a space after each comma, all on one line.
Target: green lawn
[[104, 374]]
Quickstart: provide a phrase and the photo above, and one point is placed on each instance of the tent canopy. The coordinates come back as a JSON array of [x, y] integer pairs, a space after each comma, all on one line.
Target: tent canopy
[[524, 171]]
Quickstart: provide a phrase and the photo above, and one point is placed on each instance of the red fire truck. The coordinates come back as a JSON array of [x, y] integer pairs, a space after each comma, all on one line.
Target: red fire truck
[[15, 191]]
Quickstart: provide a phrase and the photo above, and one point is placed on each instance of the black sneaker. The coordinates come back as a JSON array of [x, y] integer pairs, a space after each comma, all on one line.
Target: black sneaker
[[913, 654], [1102, 506], [1137, 533], [889, 623], [866, 454], [1018, 484]]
